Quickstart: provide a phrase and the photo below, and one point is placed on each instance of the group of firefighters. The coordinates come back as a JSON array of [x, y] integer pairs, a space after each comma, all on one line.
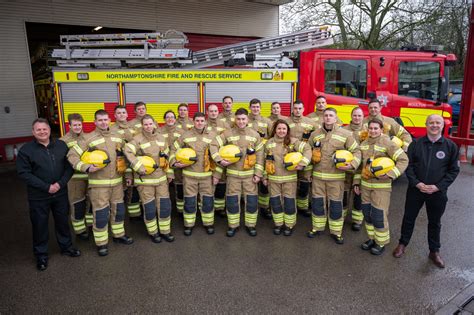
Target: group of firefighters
[[278, 165]]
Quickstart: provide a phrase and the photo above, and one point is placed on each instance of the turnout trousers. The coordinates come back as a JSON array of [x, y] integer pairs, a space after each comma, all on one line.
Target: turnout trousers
[[178, 189], [79, 205], [326, 205], [107, 205], [352, 202], [156, 203], [283, 203], [192, 187], [375, 204], [238, 187]]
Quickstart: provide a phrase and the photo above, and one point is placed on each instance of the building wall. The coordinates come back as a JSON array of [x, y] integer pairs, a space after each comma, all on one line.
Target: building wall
[[236, 18]]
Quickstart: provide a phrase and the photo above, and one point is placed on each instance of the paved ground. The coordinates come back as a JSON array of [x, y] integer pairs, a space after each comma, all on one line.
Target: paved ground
[[215, 274]]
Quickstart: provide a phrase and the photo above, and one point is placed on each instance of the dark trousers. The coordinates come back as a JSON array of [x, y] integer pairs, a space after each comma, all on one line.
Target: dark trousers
[[39, 215], [435, 206]]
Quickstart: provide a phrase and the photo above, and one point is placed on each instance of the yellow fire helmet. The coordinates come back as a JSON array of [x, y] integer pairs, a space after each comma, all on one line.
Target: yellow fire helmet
[[149, 164], [292, 160], [98, 158], [231, 153], [397, 141], [381, 166], [186, 156], [341, 157]]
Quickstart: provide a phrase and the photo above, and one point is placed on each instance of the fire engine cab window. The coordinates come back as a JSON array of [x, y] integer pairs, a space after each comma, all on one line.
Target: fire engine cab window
[[418, 79], [345, 77]]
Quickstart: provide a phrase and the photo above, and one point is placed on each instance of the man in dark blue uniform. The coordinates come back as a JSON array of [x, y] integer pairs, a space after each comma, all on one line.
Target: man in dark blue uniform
[[43, 165], [433, 167]]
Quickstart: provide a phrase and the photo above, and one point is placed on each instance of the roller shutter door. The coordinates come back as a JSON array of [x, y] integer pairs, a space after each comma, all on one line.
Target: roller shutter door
[[87, 98], [243, 92], [161, 97]]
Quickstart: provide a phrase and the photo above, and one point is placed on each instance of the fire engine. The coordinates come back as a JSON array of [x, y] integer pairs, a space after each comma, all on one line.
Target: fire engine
[[102, 71]]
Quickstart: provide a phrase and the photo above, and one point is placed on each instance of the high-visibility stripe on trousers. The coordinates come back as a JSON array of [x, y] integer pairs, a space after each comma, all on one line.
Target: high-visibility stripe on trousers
[[236, 188], [157, 207], [326, 205], [77, 194], [219, 196], [302, 196], [352, 201], [203, 187], [283, 213], [375, 204], [263, 196], [107, 206], [133, 202]]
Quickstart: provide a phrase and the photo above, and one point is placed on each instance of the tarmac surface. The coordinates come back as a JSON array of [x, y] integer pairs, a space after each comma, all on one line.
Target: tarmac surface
[[215, 274]]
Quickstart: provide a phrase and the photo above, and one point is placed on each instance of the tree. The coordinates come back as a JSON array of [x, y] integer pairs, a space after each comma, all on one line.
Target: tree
[[386, 24], [374, 24]]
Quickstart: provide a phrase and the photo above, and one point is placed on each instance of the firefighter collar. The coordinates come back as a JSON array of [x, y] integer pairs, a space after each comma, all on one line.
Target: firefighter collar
[[296, 119]]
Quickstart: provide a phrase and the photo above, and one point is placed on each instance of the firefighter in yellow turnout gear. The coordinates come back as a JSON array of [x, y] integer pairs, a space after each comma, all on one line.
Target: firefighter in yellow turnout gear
[[127, 130], [197, 177], [318, 115], [276, 113], [184, 122], [263, 126], [105, 183], [301, 128], [376, 184], [328, 181], [135, 124], [218, 126], [227, 116], [79, 201], [243, 175], [390, 127], [351, 200], [152, 185], [282, 176], [170, 132]]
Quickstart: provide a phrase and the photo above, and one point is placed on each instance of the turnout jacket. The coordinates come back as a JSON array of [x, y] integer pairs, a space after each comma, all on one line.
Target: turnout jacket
[[147, 144], [104, 140], [391, 128], [274, 118], [135, 125], [171, 133], [41, 166], [381, 146], [244, 138], [199, 141], [278, 149], [433, 163], [124, 129], [331, 141], [217, 125], [227, 117], [261, 125], [185, 123], [71, 139], [300, 126], [318, 116], [356, 131]]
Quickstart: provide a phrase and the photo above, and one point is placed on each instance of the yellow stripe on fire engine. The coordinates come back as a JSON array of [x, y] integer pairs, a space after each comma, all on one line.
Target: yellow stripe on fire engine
[[343, 112], [205, 75], [87, 110], [416, 117]]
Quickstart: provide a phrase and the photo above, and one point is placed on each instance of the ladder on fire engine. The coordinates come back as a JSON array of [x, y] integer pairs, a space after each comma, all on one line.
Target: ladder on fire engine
[[168, 50], [306, 39], [158, 48]]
